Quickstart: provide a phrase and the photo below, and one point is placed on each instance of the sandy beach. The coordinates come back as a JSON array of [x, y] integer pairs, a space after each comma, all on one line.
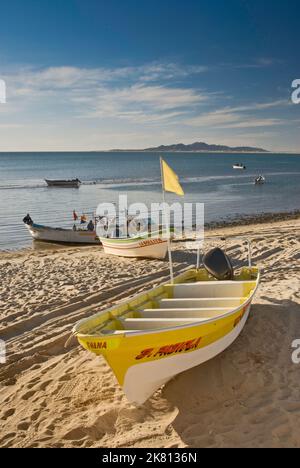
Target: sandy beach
[[53, 396]]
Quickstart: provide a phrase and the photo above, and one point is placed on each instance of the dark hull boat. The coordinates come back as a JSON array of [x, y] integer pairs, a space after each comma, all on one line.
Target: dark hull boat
[[74, 183]]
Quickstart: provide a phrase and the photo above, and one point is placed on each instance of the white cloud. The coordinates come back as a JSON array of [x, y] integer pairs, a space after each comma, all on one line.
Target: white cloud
[[29, 79], [239, 116], [70, 107], [253, 123], [262, 62], [261, 106], [141, 94], [143, 103]]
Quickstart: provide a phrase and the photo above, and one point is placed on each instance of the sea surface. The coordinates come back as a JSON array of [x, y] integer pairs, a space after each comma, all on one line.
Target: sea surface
[[206, 178]]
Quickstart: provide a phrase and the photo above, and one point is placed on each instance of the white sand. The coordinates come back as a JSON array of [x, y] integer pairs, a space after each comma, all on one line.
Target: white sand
[[50, 396]]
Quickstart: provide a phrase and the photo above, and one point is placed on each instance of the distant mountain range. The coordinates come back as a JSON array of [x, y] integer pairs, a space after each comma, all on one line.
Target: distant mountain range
[[201, 147]]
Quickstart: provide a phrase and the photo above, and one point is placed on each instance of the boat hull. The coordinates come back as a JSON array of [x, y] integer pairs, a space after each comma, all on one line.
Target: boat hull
[[63, 183], [167, 368], [64, 236], [141, 248]]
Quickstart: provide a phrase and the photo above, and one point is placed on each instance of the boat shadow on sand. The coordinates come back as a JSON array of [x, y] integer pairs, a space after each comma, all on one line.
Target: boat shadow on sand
[[184, 256], [251, 384]]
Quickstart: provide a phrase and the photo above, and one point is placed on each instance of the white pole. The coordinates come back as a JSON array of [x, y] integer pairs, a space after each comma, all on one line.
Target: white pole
[[167, 224], [198, 258], [249, 253]]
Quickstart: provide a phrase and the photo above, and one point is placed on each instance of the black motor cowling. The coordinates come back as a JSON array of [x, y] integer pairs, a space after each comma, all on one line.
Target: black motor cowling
[[218, 264], [28, 220]]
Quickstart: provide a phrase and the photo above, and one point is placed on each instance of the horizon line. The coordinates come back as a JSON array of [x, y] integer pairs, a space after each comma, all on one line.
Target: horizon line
[[153, 151]]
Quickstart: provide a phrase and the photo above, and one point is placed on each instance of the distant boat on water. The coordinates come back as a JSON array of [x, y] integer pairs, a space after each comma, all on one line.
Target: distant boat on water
[[260, 180], [73, 183], [239, 166]]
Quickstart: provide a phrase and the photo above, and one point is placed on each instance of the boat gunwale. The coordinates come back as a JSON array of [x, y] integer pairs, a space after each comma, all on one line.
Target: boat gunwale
[[132, 333], [128, 240], [50, 228]]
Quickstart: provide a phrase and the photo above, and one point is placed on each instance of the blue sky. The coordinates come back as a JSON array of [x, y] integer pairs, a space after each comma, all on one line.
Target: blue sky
[[87, 74]]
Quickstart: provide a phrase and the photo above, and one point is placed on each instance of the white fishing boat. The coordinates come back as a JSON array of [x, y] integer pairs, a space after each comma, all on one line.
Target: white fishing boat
[[150, 338], [239, 166], [60, 235], [148, 242], [141, 246], [74, 183]]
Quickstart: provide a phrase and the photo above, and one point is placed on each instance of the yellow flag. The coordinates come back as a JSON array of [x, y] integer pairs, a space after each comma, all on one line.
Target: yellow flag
[[170, 179]]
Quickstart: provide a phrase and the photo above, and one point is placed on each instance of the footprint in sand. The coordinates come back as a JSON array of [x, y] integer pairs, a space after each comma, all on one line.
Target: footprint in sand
[[27, 395], [23, 425], [36, 367], [10, 382], [75, 434], [34, 416], [64, 378], [103, 425], [10, 412], [33, 382], [6, 438], [44, 385]]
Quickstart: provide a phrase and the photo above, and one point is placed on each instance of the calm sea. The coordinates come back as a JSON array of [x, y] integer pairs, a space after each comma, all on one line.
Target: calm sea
[[206, 178]]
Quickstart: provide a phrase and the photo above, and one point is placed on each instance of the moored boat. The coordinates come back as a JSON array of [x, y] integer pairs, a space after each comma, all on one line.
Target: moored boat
[[239, 166], [259, 180], [149, 339], [74, 183], [140, 246], [60, 235]]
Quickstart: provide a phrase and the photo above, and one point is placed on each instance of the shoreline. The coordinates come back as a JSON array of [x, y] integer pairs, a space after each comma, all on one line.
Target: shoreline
[[292, 153], [239, 221], [249, 220]]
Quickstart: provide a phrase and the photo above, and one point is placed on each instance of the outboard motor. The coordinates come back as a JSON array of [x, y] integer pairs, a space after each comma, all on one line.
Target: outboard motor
[[27, 220], [218, 264]]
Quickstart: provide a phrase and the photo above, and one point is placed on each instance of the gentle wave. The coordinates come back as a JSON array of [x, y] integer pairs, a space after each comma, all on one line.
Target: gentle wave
[[22, 187], [128, 182]]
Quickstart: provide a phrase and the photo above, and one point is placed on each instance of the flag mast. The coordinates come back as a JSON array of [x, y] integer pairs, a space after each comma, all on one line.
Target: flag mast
[[167, 222]]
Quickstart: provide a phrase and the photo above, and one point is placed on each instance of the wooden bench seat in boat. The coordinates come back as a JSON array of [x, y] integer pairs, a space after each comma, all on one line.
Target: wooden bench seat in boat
[[212, 289], [200, 302], [157, 323], [184, 313]]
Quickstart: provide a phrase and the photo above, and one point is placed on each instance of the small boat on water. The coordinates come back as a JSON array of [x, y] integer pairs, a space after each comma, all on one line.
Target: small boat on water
[[60, 235], [150, 338], [239, 166], [259, 180], [74, 183], [140, 246]]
